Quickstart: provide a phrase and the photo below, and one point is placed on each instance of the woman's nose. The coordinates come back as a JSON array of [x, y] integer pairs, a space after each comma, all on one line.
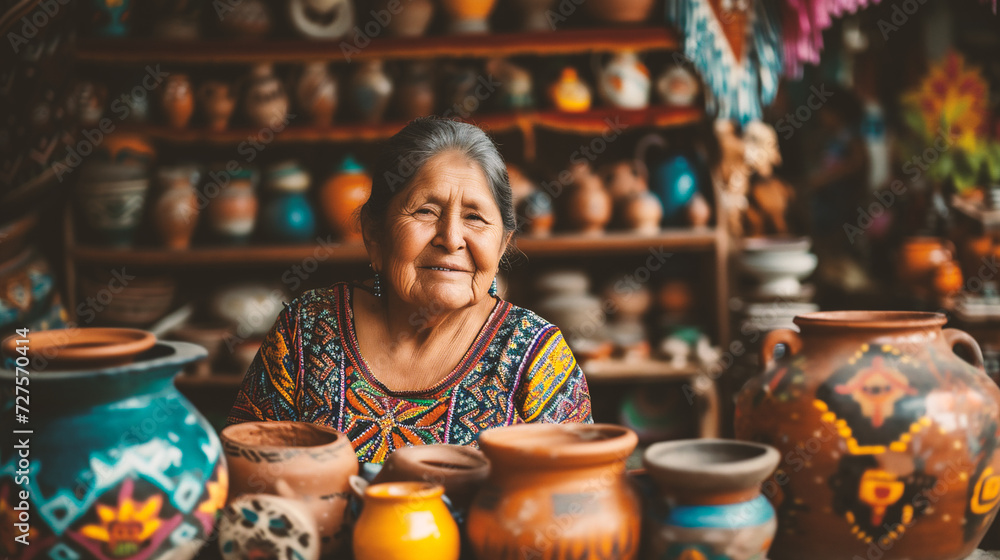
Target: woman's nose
[[449, 235]]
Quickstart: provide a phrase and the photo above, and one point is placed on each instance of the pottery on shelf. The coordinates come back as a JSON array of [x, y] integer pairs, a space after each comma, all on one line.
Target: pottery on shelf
[[901, 436], [217, 102], [370, 89], [110, 18], [290, 531], [778, 264], [409, 19], [306, 462], [710, 502], [678, 87], [414, 93], [459, 469], [232, 208], [671, 177], [122, 156], [178, 100], [619, 11], [266, 101], [131, 301], [919, 259], [86, 102], [570, 93], [246, 19], [286, 214], [321, 19], [87, 348], [468, 16], [699, 213], [251, 308], [404, 520], [948, 279], [535, 14], [515, 90], [624, 81], [316, 93], [342, 195], [121, 463], [538, 214], [177, 21], [588, 205], [175, 213], [570, 477], [111, 199], [642, 213]]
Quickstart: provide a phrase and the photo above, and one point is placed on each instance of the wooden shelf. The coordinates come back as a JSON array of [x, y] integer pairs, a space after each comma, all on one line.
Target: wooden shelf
[[618, 371], [559, 245], [130, 51], [988, 218], [591, 122]]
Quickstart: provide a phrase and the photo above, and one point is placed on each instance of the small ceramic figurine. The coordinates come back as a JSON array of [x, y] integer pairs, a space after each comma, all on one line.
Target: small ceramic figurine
[[322, 19], [266, 101], [570, 93], [370, 90], [178, 100], [624, 81], [217, 103], [316, 93]]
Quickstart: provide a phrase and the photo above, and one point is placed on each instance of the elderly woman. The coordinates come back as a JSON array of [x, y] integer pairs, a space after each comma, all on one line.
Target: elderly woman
[[425, 352]]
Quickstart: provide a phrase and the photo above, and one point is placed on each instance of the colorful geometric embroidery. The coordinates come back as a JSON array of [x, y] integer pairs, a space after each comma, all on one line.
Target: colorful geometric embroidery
[[309, 368]]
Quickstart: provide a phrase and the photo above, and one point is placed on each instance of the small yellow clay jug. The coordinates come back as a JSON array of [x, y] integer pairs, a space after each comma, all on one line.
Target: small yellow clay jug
[[404, 520]]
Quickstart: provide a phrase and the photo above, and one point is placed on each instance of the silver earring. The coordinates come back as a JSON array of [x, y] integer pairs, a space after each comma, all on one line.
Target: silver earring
[[377, 287], [493, 287]]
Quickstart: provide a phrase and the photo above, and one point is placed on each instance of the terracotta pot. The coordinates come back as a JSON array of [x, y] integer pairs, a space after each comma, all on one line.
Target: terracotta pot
[[410, 19], [534, 14], [266, 101], [316, 93], [415, 92], [588, 205], [537, 211], [403, 520], [306, 462], [370, 91], [642, 213], [468, 16], [341, 197], [175, 214], [232, 214], [217, 103], [322, 19], [178, 100], [248, 517], [138, 302], [919, 258], [699, 213], [619, 11], [710, 504], [556, 479], [83, 347], [889, 439], [459, 469], [246, 19], [948, 279]]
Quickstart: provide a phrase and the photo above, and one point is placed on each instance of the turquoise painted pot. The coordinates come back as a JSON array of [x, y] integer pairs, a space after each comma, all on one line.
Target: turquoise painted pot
[[288, 218], [675, 181], [118, 465], [709, 506], [111, 17]]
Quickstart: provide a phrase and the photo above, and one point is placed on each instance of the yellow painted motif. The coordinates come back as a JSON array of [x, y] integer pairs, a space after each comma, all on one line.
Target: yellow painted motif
[[547, 374], [986, 493]]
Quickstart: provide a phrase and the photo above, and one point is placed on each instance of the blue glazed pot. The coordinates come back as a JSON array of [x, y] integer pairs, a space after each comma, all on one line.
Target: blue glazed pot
[[709, 505], [675, 181], [288, 218], [119, 465]]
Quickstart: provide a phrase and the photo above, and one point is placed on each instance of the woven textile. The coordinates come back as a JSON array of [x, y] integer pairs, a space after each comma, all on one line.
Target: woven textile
[[310, 369]]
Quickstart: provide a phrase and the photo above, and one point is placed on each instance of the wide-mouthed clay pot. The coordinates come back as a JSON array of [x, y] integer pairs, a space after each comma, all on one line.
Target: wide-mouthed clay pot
[[299, 460], [888, 438], [461, 470], [403, 520], [710, 504], [556, 490]]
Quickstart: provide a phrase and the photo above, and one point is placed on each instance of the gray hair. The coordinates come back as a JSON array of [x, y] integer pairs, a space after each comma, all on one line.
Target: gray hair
[[403, 155]]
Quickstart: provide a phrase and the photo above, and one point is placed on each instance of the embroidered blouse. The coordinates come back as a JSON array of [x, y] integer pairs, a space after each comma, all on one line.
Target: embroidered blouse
[[309, 368]]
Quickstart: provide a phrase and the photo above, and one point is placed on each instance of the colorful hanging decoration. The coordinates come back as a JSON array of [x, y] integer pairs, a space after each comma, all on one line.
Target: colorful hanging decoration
[[736, 46], [803, 25]]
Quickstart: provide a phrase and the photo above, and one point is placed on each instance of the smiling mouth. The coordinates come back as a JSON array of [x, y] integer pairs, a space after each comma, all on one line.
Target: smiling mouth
[[443, 269]]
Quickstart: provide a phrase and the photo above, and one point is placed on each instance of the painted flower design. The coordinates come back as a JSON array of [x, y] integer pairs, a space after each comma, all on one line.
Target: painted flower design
[[124, 530], [378, 425]]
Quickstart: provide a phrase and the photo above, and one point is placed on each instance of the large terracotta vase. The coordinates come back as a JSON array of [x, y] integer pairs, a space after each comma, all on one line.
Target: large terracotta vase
[[888, 439], [403, 520], [710, 504], [297, 460], [341, 197], [116, 463], [556, 491]]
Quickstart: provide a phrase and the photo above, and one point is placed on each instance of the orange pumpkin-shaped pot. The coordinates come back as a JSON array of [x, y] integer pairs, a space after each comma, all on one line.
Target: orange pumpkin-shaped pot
[[888, 439], [342, 195]]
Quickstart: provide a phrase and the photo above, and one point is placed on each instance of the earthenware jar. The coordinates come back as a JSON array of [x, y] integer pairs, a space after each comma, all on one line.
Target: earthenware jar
[[919, 258], [642, 213], [588, 205], [536, 210], [624, 81], [570, 93], [415, 92], [699, 213], [175, 214], [266, 102], [217, 102], [411, 18], [671, 176], [710, 504], [556, 479], [232, 207], [342, 195], [534, 14], [888, 438], [322, 19], [468, 16], [178, 100], [677, 87], [370, 90], [111, 200], [316, 93], [515, 91], [286, 215], [299, 460], [403, 520], [121, 464], [111, 18], [246, 19], [461, 470], [619, 11], [290, 530]]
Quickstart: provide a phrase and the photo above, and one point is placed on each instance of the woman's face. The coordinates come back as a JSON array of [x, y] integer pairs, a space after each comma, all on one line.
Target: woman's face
[[443, 236]]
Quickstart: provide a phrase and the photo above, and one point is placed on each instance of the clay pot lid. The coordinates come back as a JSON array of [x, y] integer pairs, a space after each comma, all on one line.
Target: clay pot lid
[[709, 465], [82, 348], [557, 445], [395, 491], [445, 459], [281, 435], [871, 320]]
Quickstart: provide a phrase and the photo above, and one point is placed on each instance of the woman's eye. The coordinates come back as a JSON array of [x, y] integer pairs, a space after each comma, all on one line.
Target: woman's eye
[[476, 217], [425, 211]]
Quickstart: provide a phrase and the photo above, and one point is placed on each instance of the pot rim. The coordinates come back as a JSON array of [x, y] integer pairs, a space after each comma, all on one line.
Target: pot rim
[[397, 491], [238, 434], [871, 320], [181, 353], [470, 461], [749, 465], [538, 445]]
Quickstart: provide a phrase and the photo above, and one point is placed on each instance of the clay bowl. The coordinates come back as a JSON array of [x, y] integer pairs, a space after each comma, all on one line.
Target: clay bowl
[[139, 303], [460, 469], [556, 445], [87, 348], [698, 467]]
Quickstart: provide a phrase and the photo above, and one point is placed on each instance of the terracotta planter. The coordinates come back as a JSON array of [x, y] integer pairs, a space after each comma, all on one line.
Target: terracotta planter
[[404, 520], [556, 479], [175, 214], [217, 103], [889, 439], [459, 469], [468, 16], [619, 11], [178, 100], [306, 462], [588, 204], [710, 504], [342, 195], [316, 93], [65, 349]]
